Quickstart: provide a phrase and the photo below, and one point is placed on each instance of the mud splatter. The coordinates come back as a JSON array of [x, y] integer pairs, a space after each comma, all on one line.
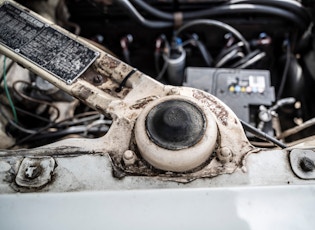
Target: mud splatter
[[143, 102]]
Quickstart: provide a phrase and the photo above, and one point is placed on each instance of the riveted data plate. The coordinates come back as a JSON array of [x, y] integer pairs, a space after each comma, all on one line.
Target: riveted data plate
[[43, 45]]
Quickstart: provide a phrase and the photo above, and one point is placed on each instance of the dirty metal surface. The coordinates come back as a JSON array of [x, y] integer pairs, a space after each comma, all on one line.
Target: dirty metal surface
[[118, 90], [93, 172]]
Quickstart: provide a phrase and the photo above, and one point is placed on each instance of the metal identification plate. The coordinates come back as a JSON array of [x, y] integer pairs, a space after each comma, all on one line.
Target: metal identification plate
[[43, 45]]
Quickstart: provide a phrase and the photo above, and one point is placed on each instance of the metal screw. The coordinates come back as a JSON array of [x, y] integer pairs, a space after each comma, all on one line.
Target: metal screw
[[307, 165], [98, 79], [33, 172]]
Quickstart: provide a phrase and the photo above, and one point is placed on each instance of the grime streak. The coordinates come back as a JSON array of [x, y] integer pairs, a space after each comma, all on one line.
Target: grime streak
[[216, 108]]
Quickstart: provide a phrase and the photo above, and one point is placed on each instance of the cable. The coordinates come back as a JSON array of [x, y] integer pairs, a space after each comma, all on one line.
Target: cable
[[277, 9], [285, 71], [52, 125], [219, 24], [261, 134], [153, 11], [229, 56], [194, 41], [79, 121], [290, 5], [253, 60], [162, 72], [7, 91], [33, 99], [248, 9], [245, 59], [72, 130], [28, 113], [138, 17], [225, 51]]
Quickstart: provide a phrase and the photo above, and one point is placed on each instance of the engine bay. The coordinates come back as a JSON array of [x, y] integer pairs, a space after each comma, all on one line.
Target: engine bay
[[148, 83], [159, 114], [256, 56]]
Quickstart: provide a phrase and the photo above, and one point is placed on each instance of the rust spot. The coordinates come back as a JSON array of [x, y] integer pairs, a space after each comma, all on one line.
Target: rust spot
[[216, 108], [108, 62], [125, 92], [84, 93], [106, 65], [108, 91], [143, 102]]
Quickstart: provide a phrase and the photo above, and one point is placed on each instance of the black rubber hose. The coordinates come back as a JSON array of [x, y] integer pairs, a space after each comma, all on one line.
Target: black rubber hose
[[224, 10], [285, 71], [290, 5], [247, 9], [138, 17], [153, 11], [204, 53]]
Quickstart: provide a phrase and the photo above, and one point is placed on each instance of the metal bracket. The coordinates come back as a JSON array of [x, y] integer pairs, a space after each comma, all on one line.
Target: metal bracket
[[116, 89]]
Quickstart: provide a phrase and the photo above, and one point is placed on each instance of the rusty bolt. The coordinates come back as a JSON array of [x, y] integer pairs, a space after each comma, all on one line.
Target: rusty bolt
[[307, 165], [98, 79], [33, 171], [129, 157]]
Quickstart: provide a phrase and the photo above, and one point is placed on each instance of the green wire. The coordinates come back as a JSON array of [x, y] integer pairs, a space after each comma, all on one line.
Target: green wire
[[7, 90]]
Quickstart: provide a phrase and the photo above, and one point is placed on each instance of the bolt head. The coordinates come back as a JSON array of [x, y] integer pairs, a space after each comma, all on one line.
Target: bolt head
[[307, 165], [128, 154], [129, 157], [33, 172], [98, 79]]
